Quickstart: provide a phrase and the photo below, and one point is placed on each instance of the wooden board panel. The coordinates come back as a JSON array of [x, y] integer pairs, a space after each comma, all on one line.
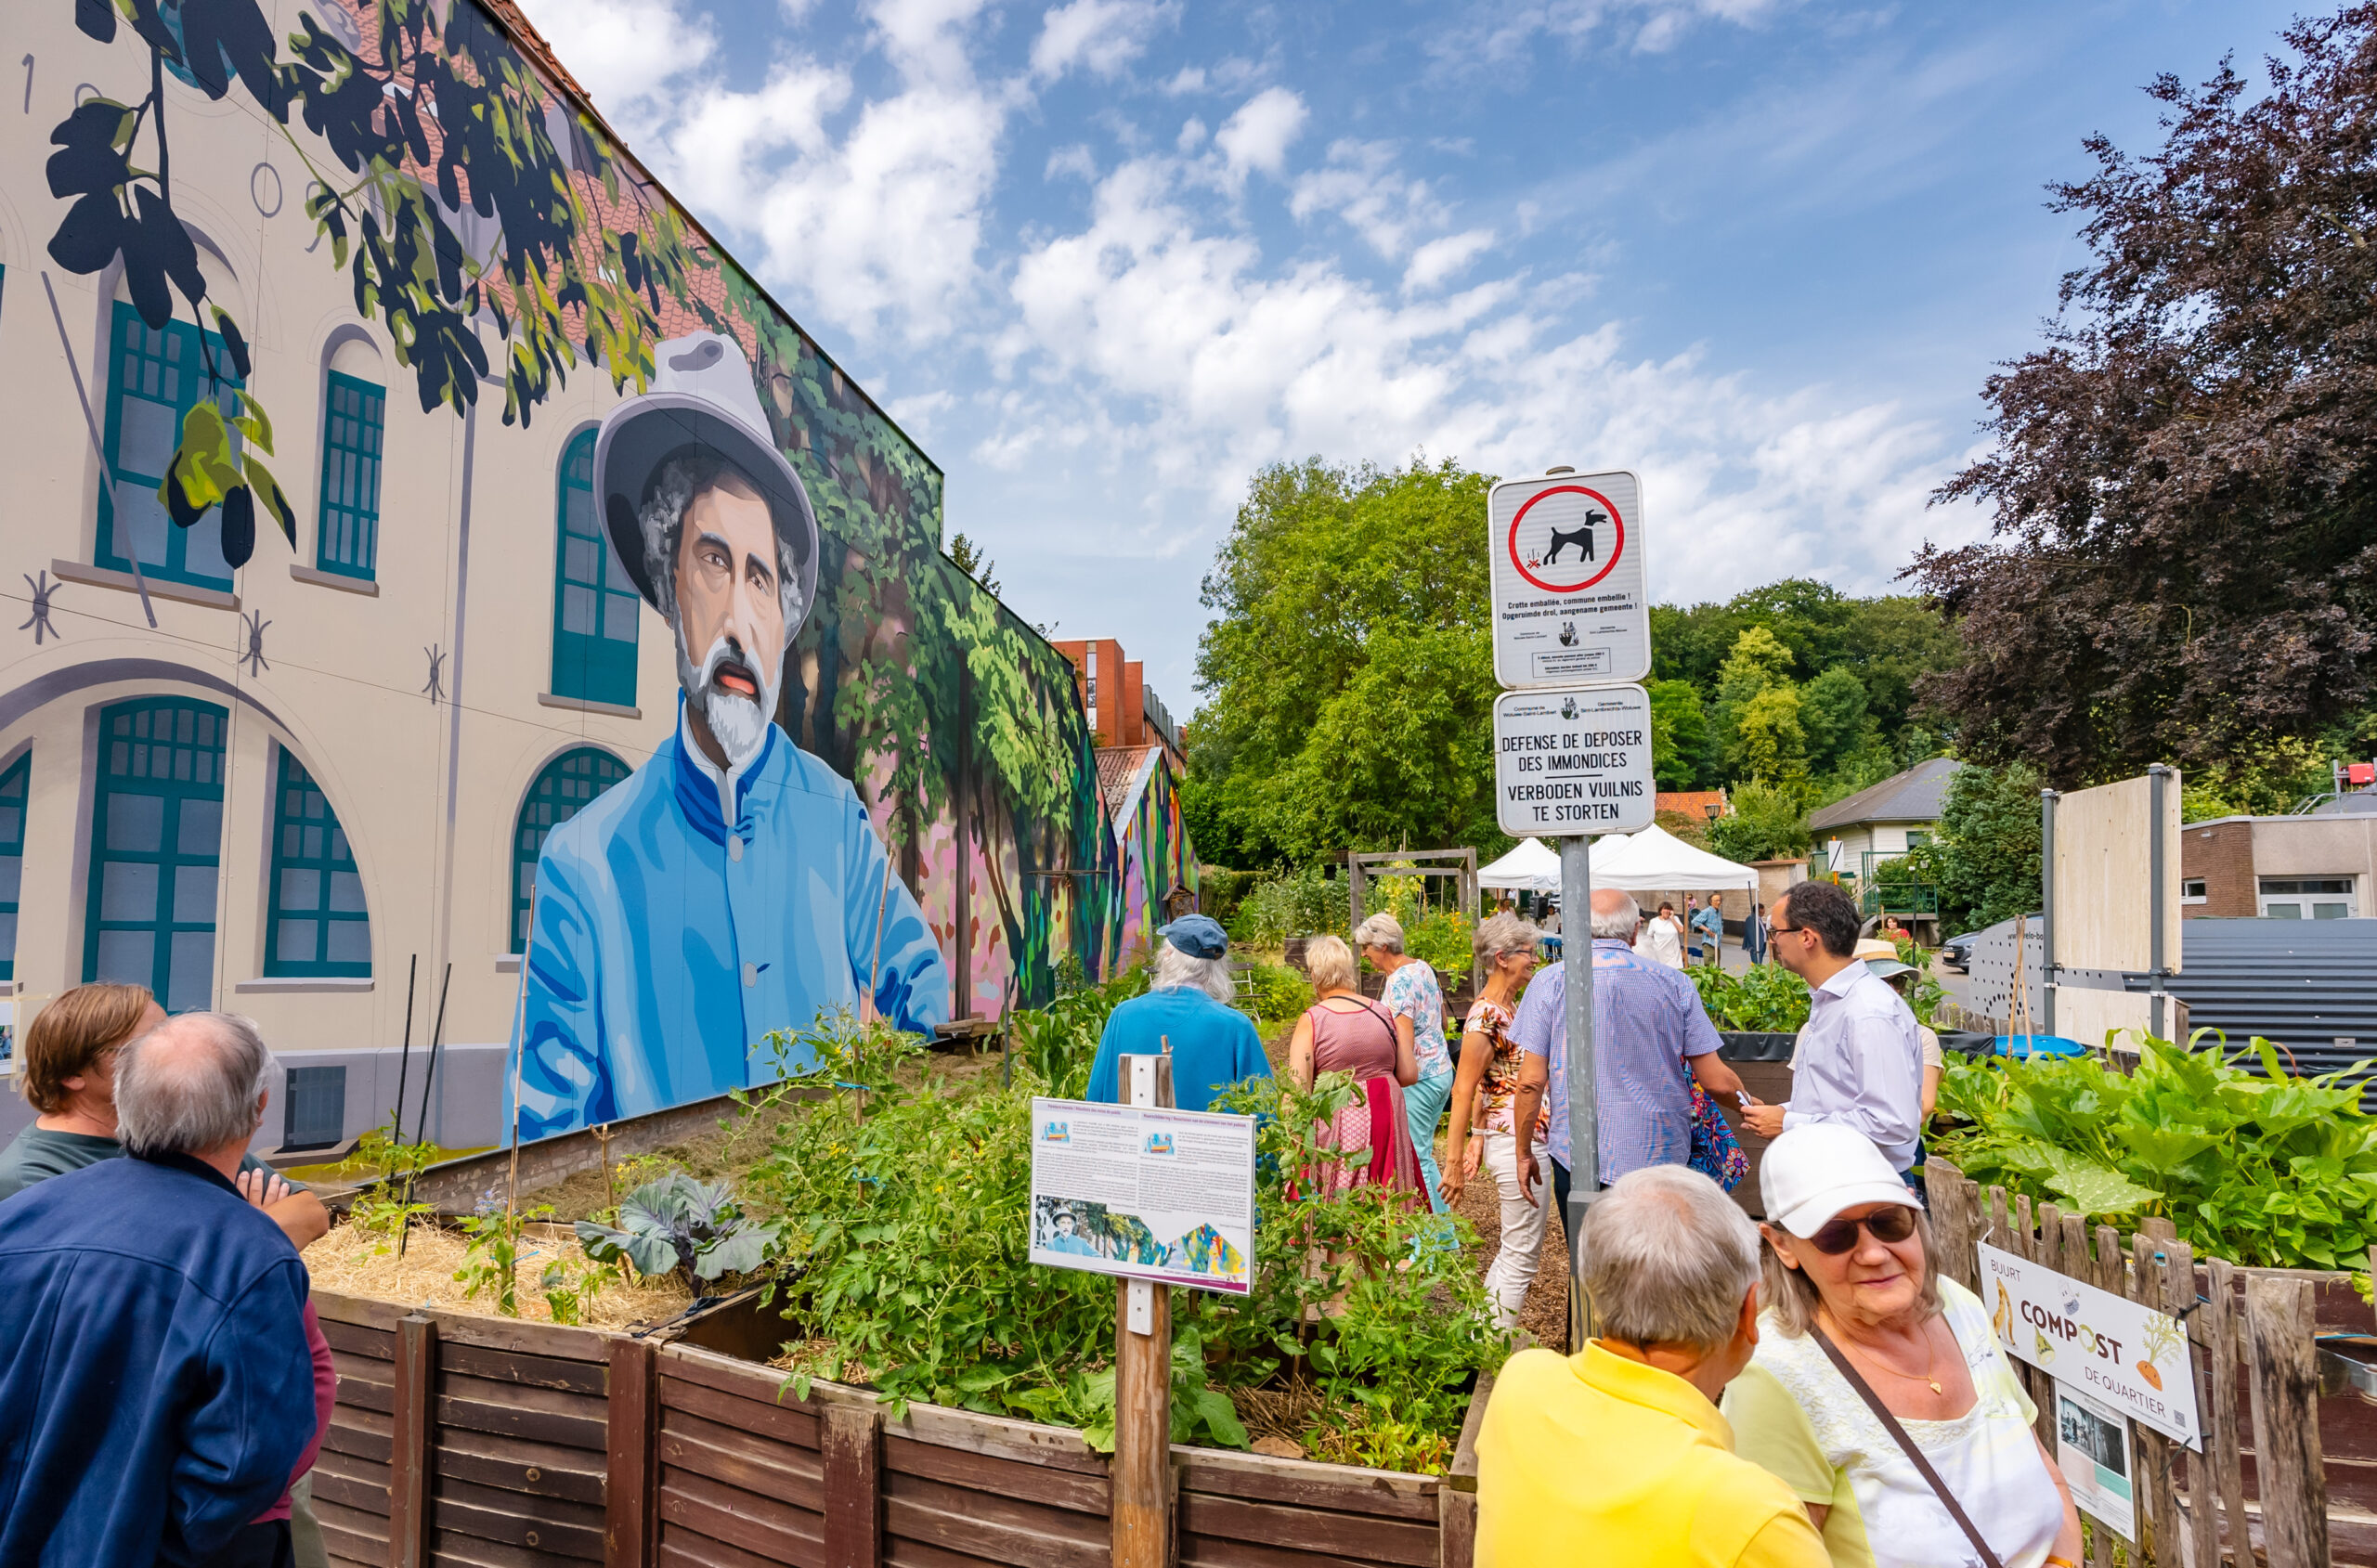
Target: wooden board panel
[[2103, 850], [1057, 1447], [379, 1344], [364, 1433], [487, 1515], [1049, 1538], [682, 1547], [794, 1425], [569, 1431], [684, 1363], [514, 1464], [363, 1312], [365, 1383], [532, 1339], [459, 1550], [742, 1458], [1214, 1551], [350, 1532], [353, 1492], [1305, 1529], [1302, 1482], [924, 1554], [994, 1507], [519, 1366], [1061, 1488], [775, 1531], [2085, 1016]]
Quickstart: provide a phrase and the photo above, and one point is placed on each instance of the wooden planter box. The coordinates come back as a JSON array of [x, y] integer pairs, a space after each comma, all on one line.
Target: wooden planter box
[[504, 1445]]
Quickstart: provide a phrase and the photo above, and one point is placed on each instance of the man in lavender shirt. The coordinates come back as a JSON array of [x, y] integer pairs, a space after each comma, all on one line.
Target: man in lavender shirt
[[1860, 1060]]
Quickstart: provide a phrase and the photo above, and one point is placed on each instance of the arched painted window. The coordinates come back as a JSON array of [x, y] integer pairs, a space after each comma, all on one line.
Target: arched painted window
[[156, 849], [561, 792], [155, 378], [594, 604], [318, 925], [353, 422]]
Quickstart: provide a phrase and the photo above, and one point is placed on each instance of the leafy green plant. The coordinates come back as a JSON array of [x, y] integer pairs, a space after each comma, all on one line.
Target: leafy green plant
[[1299, 904], [378, 1212], [679, 1225], [568, 1292], [491, 1260], [2266, 1170], [1060, 1040], [1276, 992], [1763, 999]]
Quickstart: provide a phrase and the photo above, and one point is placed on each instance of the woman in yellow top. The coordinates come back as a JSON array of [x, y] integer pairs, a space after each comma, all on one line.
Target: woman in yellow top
[[1848, 1257]]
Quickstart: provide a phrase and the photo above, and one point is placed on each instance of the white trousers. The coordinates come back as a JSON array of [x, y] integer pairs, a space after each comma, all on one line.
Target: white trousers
[[1514, 1267]]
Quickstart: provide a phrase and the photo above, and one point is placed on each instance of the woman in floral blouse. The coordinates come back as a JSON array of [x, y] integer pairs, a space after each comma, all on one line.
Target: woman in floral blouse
[[1489, 1073], [1417, 1001]]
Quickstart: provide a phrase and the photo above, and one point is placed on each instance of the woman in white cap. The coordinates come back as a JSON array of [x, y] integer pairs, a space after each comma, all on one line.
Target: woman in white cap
[[1878, 1393]]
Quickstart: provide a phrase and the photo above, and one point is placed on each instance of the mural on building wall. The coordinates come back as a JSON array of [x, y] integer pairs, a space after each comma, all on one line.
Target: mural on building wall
[[1157, 866], [880, 790]]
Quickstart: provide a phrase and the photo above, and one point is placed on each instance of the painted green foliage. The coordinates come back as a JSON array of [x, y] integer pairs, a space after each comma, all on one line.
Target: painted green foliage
[[452, 185]]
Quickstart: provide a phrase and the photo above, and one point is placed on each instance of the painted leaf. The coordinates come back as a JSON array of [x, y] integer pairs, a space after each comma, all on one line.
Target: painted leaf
[[271, 496]]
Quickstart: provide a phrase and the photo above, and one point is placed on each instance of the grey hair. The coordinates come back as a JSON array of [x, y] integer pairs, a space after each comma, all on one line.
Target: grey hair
[[1621, 922], [1792, 1298], [202, 1096], [1668, 1258], [1500, 934], [1380, 930], [1176, 969], [683, 475]]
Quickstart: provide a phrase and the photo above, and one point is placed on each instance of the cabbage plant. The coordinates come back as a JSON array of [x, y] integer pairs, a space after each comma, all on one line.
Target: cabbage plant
[[678, 1224]]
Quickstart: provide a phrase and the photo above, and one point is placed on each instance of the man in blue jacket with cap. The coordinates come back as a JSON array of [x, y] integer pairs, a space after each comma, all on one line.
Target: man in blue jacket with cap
[[1186, 1010], [155, 1385]]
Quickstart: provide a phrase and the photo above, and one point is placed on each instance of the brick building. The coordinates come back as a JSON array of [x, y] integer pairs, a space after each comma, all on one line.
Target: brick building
[[1123, 711], [2318, 866]]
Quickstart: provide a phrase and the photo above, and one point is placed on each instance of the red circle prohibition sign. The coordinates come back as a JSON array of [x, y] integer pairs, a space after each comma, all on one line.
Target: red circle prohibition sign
[[1616, 548]]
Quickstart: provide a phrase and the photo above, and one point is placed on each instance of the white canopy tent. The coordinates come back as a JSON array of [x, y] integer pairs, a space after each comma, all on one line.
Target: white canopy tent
[[1530, 868], [1655, 860]]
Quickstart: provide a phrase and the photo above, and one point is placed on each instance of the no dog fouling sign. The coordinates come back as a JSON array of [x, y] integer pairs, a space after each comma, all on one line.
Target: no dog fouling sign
[[1569, 605], [1573, 762]]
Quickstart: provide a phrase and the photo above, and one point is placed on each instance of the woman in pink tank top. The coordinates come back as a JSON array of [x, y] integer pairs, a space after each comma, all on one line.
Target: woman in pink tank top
[[1345, 1031]]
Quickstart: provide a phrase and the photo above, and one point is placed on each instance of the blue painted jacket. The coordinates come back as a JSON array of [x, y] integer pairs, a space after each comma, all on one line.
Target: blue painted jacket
[[667, 948], [155, 1387]]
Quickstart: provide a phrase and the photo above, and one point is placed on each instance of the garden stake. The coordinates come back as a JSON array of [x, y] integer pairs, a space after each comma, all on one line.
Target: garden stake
[[428, 1081], [519, 1050], [403, 1061], [875, 975]]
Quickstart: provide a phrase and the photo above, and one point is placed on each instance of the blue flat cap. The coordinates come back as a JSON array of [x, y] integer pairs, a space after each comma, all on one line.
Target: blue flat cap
[[1198, 936]]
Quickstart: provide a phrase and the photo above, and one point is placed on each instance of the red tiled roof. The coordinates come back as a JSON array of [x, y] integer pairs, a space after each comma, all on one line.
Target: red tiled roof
[[1117, 767], [1693, 803]]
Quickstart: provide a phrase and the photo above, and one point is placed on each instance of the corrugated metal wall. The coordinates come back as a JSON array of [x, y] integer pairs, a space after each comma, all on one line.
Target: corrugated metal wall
[[2305, 984]]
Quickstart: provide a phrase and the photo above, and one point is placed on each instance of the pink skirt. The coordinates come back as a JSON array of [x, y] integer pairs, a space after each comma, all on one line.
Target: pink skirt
[[1374, 1122]]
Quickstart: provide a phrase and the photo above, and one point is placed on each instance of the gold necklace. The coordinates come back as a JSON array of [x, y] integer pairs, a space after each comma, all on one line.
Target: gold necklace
[[1929, 1366]]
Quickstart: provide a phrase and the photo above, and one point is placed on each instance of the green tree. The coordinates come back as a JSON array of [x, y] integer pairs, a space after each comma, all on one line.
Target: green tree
[[1832, 710], [1771, 745], [1986, 859], [1330, 570], [1759, 662], [1767, 824], [1681, 756]]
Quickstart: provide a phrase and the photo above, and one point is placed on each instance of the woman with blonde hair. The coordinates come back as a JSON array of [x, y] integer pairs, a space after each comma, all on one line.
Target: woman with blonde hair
[[1345, 1031]]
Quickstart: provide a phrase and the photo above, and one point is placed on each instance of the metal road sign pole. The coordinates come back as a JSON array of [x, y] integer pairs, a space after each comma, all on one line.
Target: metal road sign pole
[[1584, 1131], [2046, 1024], [2158, 781]]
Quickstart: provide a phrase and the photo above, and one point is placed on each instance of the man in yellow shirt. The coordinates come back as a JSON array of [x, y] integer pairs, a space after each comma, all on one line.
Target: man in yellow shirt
[[1619, 1457]]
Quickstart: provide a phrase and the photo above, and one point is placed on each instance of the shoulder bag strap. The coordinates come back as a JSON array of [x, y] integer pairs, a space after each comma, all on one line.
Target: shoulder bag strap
[[1923, 1466]]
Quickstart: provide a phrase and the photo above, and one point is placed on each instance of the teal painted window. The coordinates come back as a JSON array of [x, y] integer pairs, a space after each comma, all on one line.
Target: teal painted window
[[319, 925], [594, 604], [154, 378], [353, 422], [15, 784], [561, 792], [156, 849]]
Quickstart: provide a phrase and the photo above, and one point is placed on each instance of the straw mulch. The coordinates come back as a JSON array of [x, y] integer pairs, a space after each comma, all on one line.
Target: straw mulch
[[353, 1263]]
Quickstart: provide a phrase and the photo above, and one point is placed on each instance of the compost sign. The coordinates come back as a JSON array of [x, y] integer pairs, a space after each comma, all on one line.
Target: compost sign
[[1166, 1195], [1573, 762], [1569, 598], [2131, 1357]]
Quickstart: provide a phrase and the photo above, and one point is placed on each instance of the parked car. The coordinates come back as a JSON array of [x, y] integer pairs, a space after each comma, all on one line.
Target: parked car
[[1956, 952]]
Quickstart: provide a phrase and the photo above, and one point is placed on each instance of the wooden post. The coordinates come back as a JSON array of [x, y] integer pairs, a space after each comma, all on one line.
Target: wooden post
[[631, 1485], [2227, 1463], [413, 1425], [2103, 1269], [1142, 1468], [2161, 1461], [2203, 1512], [850, 1437], [2286, 1462]]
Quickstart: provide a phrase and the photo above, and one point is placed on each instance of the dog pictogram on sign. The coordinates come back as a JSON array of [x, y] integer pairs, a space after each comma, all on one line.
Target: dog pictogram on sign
[[1566, 539]]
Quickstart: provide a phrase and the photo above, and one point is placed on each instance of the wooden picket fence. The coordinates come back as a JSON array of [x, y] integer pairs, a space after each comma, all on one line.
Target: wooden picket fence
[[2285, 1476]]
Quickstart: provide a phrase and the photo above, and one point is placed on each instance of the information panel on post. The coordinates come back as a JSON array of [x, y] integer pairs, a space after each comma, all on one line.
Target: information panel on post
[[1573, 762], [1165, 1196], [1571, 603]]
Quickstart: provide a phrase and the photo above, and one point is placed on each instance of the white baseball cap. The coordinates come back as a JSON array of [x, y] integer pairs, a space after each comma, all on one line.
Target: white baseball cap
[[1811, 1172]]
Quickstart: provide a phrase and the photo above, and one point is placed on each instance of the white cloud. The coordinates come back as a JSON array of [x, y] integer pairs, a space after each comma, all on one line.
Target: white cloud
[[623, 50], [1104, 35], [1259, 135], [1440, 260], [1361, 184], [1495, 33]]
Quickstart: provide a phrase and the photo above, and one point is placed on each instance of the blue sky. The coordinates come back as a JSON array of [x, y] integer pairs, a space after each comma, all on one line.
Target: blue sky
[[1105, 258]]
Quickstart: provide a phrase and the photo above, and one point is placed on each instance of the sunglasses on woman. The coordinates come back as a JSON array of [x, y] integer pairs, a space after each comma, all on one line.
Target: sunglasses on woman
[[1895, 1222]]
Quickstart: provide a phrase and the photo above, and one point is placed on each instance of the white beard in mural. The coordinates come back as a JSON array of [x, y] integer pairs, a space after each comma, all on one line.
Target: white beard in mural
[[722, 689]]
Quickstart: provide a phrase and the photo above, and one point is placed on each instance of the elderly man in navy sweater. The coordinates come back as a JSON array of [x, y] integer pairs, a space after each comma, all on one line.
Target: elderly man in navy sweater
[[155, 1387]]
